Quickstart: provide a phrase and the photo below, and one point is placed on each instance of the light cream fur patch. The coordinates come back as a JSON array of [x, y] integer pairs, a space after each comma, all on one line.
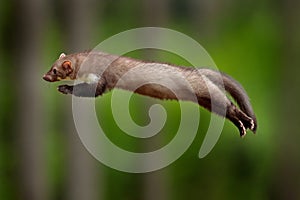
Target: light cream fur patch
[[89, 78]]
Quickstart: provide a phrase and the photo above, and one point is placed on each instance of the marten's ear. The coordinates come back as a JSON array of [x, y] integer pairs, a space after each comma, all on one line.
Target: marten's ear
[[62, 55], [67, 66]]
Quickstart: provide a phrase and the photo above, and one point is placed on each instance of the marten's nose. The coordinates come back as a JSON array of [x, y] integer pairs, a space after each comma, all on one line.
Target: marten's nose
[[48, 78]]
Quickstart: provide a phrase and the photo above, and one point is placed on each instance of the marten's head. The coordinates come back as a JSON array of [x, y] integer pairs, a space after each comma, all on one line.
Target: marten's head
[[62, 69]]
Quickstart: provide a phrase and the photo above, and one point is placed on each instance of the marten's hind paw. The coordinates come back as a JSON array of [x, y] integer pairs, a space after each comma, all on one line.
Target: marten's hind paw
[[242, 129], [247, 121], [252, 128], [241, 121]]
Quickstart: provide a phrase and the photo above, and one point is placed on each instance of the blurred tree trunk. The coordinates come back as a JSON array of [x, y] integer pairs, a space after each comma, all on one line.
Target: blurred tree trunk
[[205, 15], [83, 170], [287, 175], [155, 12], [30, 23], [155, 184]]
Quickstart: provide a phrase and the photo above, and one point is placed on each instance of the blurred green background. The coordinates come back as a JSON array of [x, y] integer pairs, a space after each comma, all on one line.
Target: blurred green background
[[41, 156]]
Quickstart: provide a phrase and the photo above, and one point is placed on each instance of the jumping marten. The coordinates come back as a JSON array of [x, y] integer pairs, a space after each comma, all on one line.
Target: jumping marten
[[100, 72]]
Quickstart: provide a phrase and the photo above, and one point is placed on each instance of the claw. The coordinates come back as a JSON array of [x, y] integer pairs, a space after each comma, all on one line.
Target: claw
[[252, 125], [242, 129]]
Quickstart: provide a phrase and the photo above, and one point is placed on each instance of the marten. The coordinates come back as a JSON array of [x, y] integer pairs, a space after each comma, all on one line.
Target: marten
[[100, 72]]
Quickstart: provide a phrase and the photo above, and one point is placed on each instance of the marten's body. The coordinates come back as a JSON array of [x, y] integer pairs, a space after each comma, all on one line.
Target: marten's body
[[102, 72]]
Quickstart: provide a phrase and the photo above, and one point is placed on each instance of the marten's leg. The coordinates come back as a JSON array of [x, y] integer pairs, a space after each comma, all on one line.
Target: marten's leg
[[83, 89]]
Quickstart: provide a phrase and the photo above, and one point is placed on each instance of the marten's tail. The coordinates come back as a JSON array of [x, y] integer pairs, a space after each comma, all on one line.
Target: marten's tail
[[236, 91]]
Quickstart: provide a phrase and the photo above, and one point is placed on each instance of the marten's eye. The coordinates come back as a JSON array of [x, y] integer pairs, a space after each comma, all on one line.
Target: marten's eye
[[54, 71]]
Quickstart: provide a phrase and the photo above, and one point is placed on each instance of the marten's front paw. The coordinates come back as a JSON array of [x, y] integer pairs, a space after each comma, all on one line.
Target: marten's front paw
[[65, 89]]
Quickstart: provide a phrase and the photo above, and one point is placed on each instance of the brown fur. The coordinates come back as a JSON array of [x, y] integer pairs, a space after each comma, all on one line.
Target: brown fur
[[203, 86]]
